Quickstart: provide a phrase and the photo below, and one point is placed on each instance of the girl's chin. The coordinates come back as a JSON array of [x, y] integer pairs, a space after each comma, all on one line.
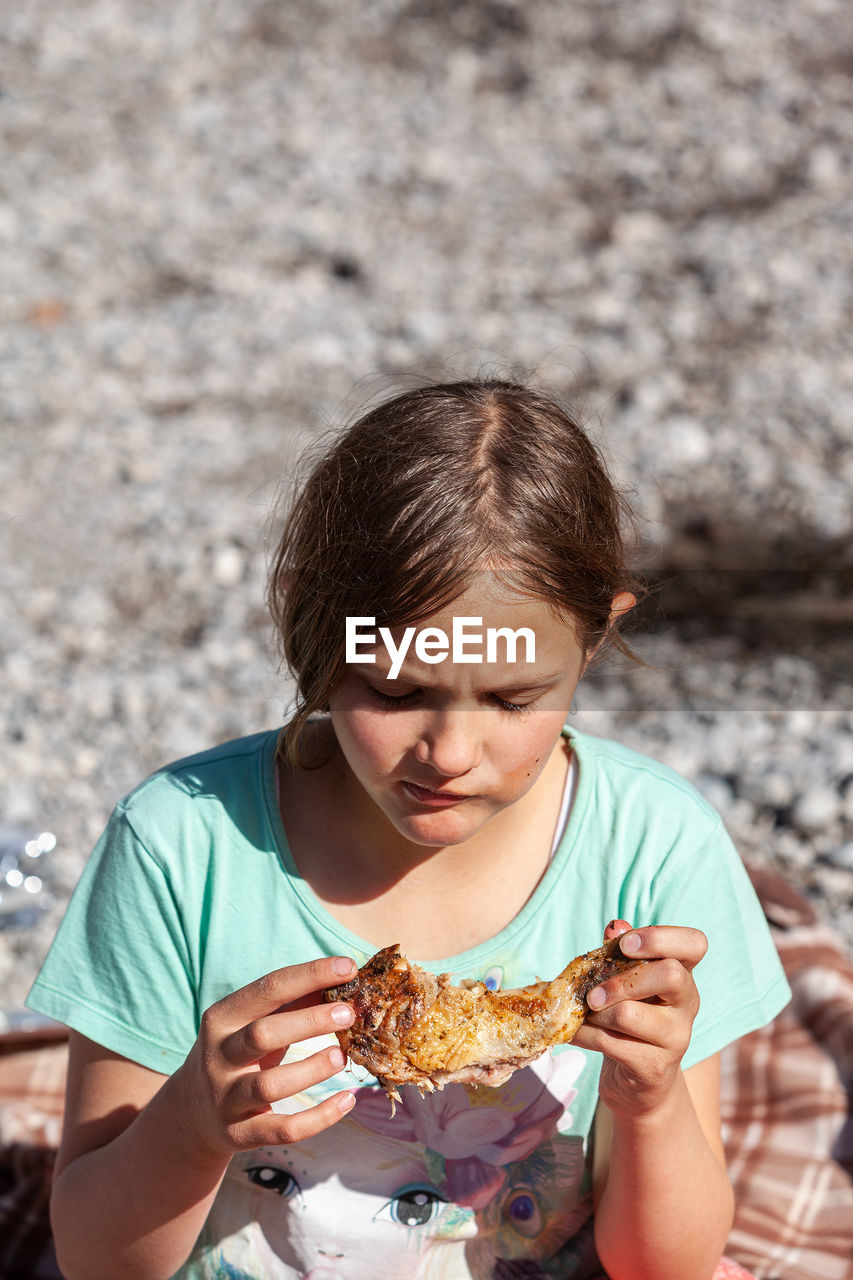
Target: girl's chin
[[440, 828]]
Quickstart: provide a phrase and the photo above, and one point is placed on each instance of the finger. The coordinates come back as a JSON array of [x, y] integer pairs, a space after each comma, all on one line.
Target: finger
[[644, 1059], [254, 1092], [615, 928], [661, 1021], [274, 1129], [273, 1034], [659, 941], [633, 1019], [269, 993], [668, 982], [633, 1027]]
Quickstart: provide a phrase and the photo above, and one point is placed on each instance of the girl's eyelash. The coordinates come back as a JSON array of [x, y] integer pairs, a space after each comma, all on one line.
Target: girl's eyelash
[[519, 707], [386, 700]]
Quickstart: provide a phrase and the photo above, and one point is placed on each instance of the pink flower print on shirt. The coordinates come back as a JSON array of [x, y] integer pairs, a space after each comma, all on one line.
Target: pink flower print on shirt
[[476, 1130]]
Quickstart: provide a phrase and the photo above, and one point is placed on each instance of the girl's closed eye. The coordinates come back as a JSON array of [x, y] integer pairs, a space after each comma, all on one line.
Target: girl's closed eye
[[402, 699], [515, 707], [392, 700]]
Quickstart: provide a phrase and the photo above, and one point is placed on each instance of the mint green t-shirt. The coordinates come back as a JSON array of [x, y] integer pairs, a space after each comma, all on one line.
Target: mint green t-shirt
[[192, 892]]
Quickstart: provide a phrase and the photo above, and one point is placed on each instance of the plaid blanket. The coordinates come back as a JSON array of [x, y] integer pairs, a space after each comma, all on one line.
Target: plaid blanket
[[787, 1121], [786, 1104], [32, 1087]]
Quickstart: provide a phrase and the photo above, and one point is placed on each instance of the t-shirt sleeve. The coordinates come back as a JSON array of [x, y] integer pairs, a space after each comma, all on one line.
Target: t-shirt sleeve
[[120, 970], [740, 980]]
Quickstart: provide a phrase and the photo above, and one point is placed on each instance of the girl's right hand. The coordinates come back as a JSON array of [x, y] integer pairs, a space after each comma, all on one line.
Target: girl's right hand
[[234, 1071]]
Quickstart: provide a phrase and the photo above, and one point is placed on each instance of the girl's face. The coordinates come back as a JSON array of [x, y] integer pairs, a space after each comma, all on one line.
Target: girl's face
[[443, 747]]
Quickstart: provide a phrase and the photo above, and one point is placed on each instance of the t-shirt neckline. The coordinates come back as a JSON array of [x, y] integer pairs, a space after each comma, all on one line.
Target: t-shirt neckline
[[475, 958]]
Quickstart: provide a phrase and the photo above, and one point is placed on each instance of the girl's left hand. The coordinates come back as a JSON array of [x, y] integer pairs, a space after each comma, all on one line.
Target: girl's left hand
[[642, 1020]]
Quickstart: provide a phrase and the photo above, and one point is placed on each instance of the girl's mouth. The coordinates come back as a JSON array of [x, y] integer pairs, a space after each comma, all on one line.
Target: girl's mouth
[[434, 799]]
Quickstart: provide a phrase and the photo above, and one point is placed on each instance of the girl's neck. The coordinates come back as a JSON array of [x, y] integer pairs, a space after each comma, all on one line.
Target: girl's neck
[[437, 901]]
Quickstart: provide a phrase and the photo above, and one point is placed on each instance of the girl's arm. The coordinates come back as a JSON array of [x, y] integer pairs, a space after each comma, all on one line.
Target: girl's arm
[[665, 1209], [142, 1155]]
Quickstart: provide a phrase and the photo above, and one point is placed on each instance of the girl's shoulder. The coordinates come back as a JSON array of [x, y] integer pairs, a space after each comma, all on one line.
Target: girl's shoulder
[[619, 776], [227, 783], [203, 767]]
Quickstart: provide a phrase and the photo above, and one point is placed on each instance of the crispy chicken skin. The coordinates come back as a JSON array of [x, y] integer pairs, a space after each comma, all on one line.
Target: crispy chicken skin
[[412, 1027]]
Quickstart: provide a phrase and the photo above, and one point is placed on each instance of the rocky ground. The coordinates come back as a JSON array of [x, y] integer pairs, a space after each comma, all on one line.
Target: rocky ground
[[224, 227]]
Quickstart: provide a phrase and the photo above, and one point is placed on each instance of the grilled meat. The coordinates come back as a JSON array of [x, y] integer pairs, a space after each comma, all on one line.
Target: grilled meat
[[412, 1027]]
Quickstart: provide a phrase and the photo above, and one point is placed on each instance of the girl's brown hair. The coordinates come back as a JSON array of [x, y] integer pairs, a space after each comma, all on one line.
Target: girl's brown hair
[[424, 492]]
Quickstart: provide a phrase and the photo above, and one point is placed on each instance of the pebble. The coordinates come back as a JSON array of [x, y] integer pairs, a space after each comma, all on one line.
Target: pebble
[[816, 809], [843, 857], [229, 566]]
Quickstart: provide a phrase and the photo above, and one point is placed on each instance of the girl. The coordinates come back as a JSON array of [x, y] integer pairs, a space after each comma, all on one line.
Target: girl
[[430, 794]]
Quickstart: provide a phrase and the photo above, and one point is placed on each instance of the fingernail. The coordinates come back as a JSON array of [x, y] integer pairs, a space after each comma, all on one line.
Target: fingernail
[[346, 1102], [632, 942], [343, 965], [341, 1014], [596, 998], [337, 1057]]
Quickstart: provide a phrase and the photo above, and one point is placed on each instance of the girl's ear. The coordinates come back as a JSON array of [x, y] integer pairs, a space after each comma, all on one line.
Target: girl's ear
[[622, 603]]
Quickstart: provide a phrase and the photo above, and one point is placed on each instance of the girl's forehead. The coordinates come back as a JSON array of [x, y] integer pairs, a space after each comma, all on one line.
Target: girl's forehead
[[489, 595]]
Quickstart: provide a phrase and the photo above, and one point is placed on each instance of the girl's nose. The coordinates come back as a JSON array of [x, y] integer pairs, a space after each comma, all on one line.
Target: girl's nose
[[451, 745]]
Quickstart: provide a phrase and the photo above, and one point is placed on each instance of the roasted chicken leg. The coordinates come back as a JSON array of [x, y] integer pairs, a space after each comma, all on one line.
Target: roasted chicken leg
[[412, 1027]]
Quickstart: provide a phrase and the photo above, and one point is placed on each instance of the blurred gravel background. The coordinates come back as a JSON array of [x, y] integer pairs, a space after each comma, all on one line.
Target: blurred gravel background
[[224, 227]]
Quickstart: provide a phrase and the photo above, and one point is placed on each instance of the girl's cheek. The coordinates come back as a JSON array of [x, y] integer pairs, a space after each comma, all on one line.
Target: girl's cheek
[[371, 737], [531, 751]]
